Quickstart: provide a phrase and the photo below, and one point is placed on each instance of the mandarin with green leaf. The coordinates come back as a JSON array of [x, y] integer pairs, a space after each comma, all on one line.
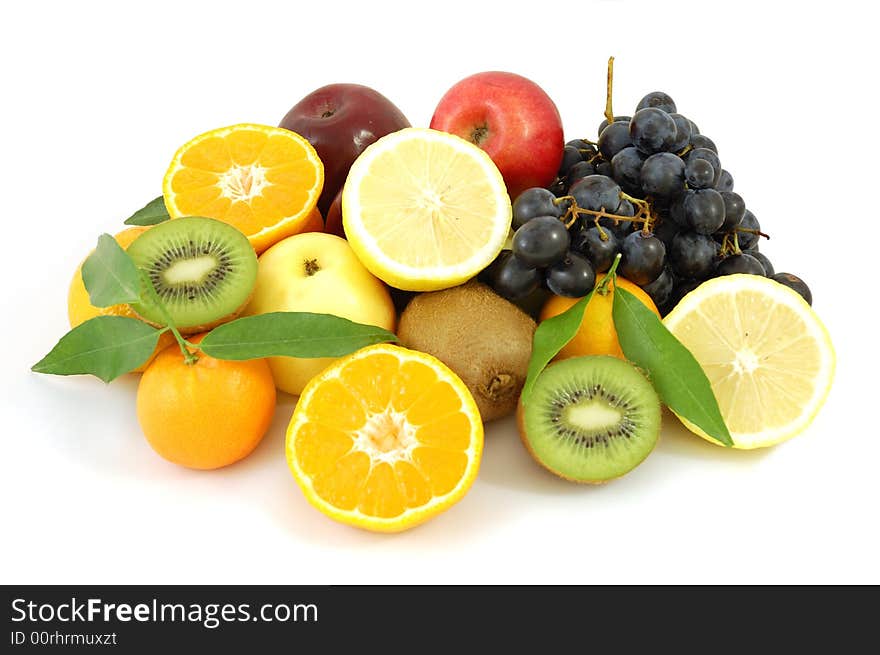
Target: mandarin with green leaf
[[207, 414], [597, 335]]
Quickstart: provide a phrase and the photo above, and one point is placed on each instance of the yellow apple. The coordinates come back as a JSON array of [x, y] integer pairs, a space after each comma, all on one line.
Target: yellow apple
[[316, 272]]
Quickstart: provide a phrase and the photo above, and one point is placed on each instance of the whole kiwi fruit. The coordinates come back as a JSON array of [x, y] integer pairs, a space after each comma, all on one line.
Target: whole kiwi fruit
[[483, 338]]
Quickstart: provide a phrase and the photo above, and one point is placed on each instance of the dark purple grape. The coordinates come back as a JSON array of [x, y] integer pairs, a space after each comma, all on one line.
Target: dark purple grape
[[586, 149], [604, 168], [701, 141], [572, 277], [663, 175], [682, 133], [747, 239], [694, 128], [542, 241], [620, 227], [734, 210], [666, 231], [704, 211], [570, 157], [661, 288], [617, 119], [652, 130], [699, 174], [599, 245], [741, 263], [795, 283], [725, 181], [659, 100], [765, 262], [693, 255], [578, 172], [534, 202], [643, 256], [558, 188], [627, 169], [676, 209], [709, 156], [512, 279], [613, 139], [596, 192]]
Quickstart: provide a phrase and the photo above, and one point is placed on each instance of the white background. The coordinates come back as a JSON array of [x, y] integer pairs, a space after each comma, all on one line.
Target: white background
[[97, 97]]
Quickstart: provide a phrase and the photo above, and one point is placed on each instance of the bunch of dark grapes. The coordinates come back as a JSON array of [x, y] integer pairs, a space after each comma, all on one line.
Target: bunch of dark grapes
[[542, 252], [651, 188]]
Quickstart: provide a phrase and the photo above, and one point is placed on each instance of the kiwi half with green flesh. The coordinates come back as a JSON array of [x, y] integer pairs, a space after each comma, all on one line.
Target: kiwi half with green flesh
[[590, 419], [203, 270]]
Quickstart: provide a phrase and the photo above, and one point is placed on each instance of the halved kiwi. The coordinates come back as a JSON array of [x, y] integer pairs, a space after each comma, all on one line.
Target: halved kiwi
[[590, 419], [203, 270]]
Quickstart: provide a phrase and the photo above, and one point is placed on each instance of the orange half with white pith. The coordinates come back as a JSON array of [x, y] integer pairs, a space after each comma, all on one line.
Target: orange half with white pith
[[263, 180], [385, 439]]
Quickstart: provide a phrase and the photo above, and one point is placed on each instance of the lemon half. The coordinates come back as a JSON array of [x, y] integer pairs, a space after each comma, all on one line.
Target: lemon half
[[767, 355], [425, 210]]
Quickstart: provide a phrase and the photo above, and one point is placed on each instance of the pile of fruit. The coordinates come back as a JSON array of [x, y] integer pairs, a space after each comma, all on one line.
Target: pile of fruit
[[409, 284]]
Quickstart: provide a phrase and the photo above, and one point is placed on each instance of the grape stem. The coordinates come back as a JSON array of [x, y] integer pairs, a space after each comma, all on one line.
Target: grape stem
[[730, 242], [609, 114], [644, 217]]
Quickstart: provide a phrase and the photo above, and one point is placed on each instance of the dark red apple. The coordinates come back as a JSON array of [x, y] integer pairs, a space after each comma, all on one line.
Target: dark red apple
[[512, 119], [340, 121], [333, 222]]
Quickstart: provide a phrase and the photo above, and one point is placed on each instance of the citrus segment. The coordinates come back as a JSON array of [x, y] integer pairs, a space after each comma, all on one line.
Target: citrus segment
[[767, 355], [385, 439], [263, 180], [320, 446], [425, 210]]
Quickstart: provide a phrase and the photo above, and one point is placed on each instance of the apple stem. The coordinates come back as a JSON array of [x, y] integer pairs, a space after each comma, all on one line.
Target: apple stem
[[609, 114]]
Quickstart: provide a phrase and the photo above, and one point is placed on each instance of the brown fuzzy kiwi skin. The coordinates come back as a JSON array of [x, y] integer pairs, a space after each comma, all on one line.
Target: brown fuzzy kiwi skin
[[195, 329], [483, 338]]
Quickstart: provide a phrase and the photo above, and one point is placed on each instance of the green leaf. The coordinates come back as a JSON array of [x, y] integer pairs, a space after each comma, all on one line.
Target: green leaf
[[110, 275], [677, 376], [152, 213], [104, 346], [551, 336], [290, 334]]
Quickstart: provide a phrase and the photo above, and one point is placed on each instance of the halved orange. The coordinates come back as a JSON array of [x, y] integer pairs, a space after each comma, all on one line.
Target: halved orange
[[263, 180], [385, 439]]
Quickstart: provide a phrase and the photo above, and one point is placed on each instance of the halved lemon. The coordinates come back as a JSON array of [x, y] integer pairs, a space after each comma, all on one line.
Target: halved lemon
[[767, 355], [425, 210], [263, 180], [384, 439]]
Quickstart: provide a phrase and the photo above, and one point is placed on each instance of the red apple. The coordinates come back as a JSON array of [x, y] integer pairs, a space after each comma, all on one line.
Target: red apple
[[512, 119], [340, 121], [333, 222]]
